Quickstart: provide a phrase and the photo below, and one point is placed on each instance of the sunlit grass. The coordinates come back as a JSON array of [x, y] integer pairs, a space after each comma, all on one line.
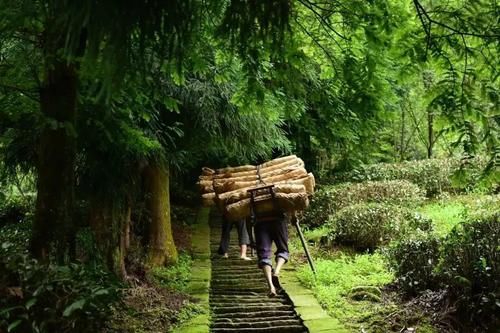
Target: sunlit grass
[[444, 214], [335, 279]]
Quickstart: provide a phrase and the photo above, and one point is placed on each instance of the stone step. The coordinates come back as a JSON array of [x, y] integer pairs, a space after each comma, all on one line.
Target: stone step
[[234, 262], [232, 289], [256, 314], [232, 270], [258, 324], [217, 300], [253, 304], [253, 320], [276, 329], [229, 271], [232, 280], [237, 292], [246, 309], [239, 299], [241, 285]]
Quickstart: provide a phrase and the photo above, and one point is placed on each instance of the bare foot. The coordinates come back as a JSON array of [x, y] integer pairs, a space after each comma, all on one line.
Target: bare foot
[[245, 258], [276, 282], [272, 292]]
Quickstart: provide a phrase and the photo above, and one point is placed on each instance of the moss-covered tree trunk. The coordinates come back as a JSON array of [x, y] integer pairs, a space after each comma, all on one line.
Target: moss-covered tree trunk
[[56, 163], [161, 247], [110, 223]]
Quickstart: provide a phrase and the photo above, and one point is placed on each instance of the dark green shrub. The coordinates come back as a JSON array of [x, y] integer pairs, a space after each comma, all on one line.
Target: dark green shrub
[[321, 207], [416, 221], [330, 199], [480, 206], [470, 265], [49, 298], [174, 277], [366, 226], [15, 208], [413, 261], [15, 237], [432, 175]]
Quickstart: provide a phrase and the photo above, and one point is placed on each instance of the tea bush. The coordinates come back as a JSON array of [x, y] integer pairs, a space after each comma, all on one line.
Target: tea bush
[[432, 175], [413, 260], [470, 266], [330, 199], [466, 263], [367, 226]]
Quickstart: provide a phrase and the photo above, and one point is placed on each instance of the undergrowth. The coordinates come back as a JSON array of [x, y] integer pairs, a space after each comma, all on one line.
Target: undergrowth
[[351, 289], [174, 277]]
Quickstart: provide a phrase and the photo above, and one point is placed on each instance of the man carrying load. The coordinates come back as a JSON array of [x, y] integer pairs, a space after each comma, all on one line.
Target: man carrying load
[[264, 193], [268, 230]]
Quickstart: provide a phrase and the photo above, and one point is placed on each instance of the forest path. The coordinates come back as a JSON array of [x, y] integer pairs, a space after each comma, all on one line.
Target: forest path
[[238, 294]]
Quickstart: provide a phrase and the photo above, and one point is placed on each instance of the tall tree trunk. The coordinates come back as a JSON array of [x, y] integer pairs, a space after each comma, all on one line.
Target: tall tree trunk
[[402, 137], [430, 129], [161, 247], [53, 224], [110, 223]]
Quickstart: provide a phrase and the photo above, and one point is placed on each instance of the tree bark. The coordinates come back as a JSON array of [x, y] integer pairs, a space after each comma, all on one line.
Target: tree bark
[[109, 225], [430, 129], [402, 137], [53, 224], [161, 247]]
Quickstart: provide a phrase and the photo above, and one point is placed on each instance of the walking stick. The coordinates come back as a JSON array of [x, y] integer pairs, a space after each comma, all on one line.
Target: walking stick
[[304, 244]]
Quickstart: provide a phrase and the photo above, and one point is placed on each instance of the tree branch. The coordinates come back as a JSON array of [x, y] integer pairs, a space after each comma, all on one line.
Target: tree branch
[[423, 13], [310, 6], [23, 91]]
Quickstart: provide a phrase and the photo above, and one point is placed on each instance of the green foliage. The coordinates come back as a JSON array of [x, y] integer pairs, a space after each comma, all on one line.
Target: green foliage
[[175, 277], [41, 298], [189, 311], [149, 309], [444, 214], [447, 212], [478, 206], [16, 208], [465, 262], [433, 175], [413, 260], [336, 280], [15, 237], [470, 265], [367, 226], [329, 199]]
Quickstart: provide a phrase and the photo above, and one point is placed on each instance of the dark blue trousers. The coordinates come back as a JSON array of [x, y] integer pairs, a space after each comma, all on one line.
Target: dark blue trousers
[[267, 232], [226, 234]]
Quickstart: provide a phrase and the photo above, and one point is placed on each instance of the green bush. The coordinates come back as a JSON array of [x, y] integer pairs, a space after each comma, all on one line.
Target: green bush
[[348, 287], [330, 199], [174, 277], [433, 175], [15, 237], [470, 266], [49, 298], [15, 208], [413, 261], [367, 226], [478, 206]]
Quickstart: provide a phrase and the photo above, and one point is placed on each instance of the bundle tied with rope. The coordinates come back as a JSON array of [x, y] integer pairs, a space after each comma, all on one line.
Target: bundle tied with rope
[[228, 188]]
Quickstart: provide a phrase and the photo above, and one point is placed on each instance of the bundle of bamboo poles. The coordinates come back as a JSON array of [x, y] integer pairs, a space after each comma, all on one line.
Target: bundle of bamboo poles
[[227, 188]]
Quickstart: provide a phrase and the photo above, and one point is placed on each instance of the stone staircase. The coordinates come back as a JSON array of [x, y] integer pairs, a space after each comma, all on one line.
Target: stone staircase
[[238, 294]]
